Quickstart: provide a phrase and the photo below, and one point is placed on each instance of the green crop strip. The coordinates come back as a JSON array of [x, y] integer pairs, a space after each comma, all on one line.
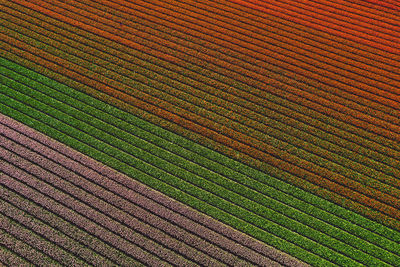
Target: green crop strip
[[128, 124]]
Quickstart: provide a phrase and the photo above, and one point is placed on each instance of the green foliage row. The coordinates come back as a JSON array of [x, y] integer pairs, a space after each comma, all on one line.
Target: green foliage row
[[141, 141]]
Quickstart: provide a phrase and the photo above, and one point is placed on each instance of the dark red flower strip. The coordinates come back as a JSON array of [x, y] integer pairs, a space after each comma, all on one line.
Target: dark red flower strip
[[392, 5], [275, 34], [354, 26], [341, 46], [367, 9], [350, 15]]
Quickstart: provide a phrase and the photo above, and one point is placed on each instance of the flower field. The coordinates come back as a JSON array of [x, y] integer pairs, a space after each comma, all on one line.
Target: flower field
[[213, 133]]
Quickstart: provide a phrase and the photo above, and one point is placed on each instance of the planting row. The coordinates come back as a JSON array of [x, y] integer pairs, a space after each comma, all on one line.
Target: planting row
[[22, 249], [64, 240], [7, 256], [98, 246], [52, 254]]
